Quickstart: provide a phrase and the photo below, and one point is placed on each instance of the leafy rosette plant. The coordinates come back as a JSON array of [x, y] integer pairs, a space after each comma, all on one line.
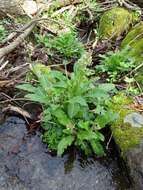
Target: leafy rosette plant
[[116, 64], [74, 108]]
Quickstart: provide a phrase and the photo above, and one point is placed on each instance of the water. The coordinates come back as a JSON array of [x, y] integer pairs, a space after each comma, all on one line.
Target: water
[[26, 165]]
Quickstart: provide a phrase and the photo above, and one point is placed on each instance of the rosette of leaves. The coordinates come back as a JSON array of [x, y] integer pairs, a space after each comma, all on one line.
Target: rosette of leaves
[[116, 64], [74, 108], [66, 45]]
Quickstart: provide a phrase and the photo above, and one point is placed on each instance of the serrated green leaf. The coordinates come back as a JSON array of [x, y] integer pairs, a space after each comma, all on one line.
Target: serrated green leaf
[[100, 136], [44, 82], [78, 100], [47, 115], [87, 135], [40, 69], [73, 109], [107, 87], [27, 87], [37, 98], [97, 147], [83, 125], [64, 143], [58, 75], [97, 93], [61, 116], [106, 118]]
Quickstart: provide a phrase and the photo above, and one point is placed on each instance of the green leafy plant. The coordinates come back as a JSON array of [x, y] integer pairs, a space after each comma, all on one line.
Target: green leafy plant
[[74, 108], [86, 12], [115, 64], [133, 88], [66, 45]]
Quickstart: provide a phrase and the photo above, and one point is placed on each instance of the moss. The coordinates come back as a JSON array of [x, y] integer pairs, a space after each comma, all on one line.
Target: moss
[[126, 136], [114, 22], [134, 39], [136, 33]]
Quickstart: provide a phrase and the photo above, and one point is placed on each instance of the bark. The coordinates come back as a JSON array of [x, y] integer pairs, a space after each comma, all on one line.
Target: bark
[[10, 7]]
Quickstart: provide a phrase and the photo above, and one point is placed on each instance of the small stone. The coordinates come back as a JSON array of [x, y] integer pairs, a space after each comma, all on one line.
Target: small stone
[[134, 119], [30, 7]]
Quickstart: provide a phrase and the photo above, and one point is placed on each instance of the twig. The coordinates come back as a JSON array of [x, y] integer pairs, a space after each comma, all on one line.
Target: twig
[[107, 146], [19, 110], [4, 65], [137, 68], [63, 9], [128, 5], [5, 50], [16, 68]]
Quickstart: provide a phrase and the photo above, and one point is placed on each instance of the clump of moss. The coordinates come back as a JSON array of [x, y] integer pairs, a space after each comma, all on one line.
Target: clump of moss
[[114, 22], [134, 39], [125, 135]]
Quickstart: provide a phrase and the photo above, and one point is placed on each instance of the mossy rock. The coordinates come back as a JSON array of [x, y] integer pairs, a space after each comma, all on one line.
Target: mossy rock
[[134, 40], [114, 22], [125, 135]]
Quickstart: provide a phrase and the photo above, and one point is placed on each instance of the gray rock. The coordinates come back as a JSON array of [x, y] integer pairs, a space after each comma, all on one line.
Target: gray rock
[[134, 119], [134, 159], [26, 165]]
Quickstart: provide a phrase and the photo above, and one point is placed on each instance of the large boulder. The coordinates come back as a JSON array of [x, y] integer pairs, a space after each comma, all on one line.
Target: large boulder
[[134, 158], [134, 39], [114, 22], [128, 135]]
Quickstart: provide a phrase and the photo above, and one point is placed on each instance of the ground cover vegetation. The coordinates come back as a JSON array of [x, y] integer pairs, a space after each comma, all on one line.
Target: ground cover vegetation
[[73, 73], [74, 108]]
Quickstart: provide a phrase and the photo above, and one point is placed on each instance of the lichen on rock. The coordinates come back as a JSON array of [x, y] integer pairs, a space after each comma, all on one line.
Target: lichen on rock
[[134, 119], [114, 22], [125, 135]]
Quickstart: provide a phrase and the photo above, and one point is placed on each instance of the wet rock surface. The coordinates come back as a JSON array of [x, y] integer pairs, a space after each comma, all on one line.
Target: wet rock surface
[[134, 159], [26, 165]]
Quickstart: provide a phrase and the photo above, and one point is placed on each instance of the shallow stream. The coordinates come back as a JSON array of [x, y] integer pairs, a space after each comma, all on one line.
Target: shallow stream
[[26, 165]]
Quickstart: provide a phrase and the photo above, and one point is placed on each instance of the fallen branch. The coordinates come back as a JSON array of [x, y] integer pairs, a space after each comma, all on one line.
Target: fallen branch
[[27, 29], [19, 110], [9, 48]]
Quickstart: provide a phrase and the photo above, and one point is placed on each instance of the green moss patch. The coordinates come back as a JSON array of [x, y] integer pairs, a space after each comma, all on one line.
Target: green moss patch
[[125, 135], [134, 39], [114, 22]]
